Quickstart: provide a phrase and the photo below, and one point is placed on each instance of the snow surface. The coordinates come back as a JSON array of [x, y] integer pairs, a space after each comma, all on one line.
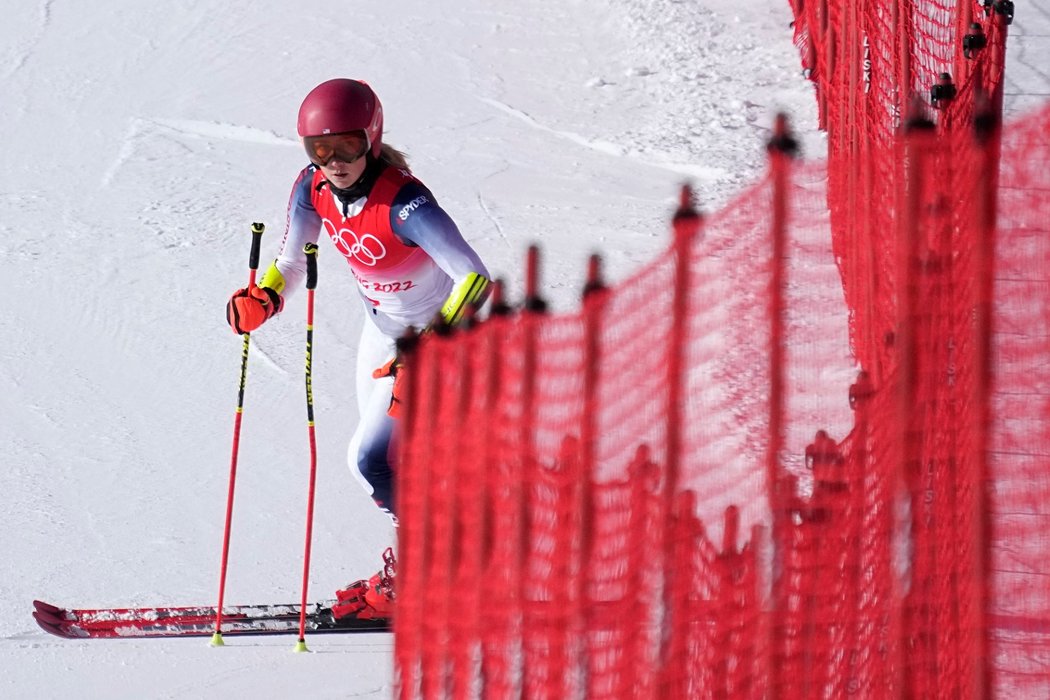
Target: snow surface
[[142, 139]]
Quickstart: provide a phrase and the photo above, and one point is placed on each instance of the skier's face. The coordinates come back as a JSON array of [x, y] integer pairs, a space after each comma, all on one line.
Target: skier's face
[[343, 174]]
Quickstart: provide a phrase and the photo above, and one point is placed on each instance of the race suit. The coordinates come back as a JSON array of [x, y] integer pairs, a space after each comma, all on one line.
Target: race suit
[[410, 263]]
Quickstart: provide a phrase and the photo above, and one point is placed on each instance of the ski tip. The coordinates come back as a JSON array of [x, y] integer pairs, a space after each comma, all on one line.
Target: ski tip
[[46, 607], [48, 618], [43, 619]]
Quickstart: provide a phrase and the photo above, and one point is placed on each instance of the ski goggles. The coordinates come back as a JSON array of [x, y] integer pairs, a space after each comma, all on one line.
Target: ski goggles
[[347, 147]]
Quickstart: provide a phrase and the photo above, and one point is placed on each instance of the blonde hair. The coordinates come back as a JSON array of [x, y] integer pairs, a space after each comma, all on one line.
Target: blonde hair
[[391, 156]]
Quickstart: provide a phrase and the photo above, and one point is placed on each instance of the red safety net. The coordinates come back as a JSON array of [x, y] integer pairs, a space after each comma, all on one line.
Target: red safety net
[[635, 500], [875, 65], [943, 268]]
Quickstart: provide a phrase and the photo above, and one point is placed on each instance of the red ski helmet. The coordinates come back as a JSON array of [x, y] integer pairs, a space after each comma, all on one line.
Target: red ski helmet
[[340, 105]]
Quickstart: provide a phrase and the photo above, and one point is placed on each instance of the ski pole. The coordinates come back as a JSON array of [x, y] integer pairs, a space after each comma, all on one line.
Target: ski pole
[[253, 265], [311, 283]]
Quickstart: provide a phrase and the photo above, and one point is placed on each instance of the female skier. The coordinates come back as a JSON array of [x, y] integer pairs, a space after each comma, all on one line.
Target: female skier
[[410, 262]]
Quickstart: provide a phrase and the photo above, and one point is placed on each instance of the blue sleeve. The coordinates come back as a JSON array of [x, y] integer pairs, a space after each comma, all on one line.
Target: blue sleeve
[[303, 226], [301, 213], [417, 219]]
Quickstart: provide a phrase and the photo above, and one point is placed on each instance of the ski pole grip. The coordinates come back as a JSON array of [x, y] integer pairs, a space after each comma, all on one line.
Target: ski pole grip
[[311, 265], [257, 232]]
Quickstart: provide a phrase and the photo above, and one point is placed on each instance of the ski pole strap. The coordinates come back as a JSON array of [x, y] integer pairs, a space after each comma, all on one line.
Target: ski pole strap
[[257, 232], [311, 265]]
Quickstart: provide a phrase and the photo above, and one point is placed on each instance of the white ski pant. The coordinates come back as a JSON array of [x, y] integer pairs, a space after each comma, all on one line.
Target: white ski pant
[[372, 447]]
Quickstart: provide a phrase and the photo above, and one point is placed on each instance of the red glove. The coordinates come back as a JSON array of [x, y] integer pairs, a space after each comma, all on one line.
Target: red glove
[[394, 369], [250, 308]]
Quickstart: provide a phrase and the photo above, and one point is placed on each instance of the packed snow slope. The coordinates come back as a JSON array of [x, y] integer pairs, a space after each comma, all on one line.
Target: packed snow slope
[[140, 142]]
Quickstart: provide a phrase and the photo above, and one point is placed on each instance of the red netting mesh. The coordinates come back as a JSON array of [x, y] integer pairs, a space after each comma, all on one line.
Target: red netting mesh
[[1019, 587], [635, 500]]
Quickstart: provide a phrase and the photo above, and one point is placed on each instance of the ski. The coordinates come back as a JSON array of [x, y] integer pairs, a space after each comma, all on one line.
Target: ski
[[190, 621]]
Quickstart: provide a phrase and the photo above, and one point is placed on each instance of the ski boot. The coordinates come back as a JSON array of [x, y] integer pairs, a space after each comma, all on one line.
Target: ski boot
[[371, 599]]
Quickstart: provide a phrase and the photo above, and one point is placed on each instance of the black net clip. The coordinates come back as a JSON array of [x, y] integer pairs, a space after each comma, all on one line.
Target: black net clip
[[974, 41], [944, 91], [1006, 9]]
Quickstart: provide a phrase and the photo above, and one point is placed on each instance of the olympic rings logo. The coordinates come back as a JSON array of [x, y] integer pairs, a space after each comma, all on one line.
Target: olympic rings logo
[[367, 249]]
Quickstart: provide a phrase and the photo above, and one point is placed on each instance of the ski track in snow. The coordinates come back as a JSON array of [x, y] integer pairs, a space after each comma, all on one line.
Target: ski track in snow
[[593, 144], [141, 128], [224, 132], [492, 217], [27, 48], [258, 352], [606, 147]]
